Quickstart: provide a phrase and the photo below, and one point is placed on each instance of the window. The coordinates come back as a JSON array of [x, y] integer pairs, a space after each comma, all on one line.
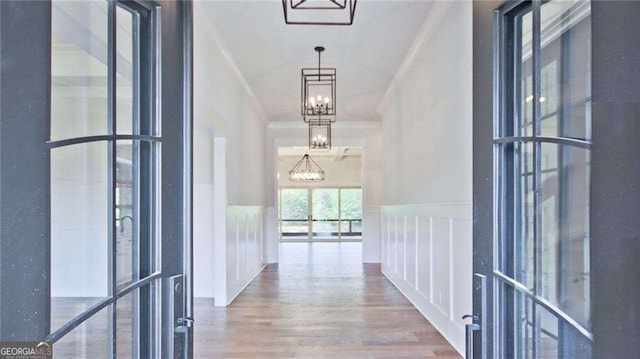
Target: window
[[320, 213]]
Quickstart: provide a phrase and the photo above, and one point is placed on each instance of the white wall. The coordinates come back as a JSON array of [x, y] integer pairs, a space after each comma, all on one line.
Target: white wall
[[203, 210], [223, 99], [236, 179], [427, 173], [427, 115]]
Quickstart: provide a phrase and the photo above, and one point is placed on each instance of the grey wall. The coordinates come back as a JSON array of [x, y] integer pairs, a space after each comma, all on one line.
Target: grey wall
[[25, 29]]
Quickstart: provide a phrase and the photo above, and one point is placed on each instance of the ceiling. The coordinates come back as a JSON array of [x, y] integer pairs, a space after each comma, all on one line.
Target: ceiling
[[270, 54]]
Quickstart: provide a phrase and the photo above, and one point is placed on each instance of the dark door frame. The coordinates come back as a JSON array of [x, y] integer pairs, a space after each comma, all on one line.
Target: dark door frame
[[615, 172], [25, 106]]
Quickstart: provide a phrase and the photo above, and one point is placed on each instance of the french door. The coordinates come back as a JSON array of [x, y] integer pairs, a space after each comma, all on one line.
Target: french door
[[536, 298], [120, 277]]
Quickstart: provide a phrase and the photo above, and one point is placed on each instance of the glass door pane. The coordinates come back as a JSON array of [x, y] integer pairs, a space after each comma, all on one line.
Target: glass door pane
[[126, 213], [350, 212], [325, 213], [79, 69], [79, 234], [127, 325], [88, 340], [294, 213]]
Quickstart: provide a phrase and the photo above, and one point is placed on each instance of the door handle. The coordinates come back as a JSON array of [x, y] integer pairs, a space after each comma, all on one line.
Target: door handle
[[183, 328], [479, 320], [468, 334], [186, 321]]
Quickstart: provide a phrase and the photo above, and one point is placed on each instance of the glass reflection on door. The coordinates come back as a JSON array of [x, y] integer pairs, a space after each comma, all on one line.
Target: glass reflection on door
[[126, 213]]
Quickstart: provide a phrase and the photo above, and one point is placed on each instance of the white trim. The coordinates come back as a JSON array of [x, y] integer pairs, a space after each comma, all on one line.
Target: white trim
[[337, 124], [455, 210], [236, 290]]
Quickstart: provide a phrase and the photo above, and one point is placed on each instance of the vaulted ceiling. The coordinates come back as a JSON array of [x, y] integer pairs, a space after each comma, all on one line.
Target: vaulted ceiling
[[270, 54]]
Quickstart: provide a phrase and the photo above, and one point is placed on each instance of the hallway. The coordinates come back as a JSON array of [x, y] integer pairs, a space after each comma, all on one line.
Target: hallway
[[319, 302]]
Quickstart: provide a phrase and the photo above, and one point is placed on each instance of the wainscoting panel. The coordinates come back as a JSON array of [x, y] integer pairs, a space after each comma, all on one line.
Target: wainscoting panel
[[441, 264], [245, 247], [426, 253], [410, 249]]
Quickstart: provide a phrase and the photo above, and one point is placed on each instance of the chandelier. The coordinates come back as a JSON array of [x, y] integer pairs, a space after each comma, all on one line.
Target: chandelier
[[319, 12], [318, 92], [306, 170], [319, 134]]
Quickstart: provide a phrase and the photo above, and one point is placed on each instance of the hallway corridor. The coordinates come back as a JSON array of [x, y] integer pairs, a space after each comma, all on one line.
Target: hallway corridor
[[319, 302]]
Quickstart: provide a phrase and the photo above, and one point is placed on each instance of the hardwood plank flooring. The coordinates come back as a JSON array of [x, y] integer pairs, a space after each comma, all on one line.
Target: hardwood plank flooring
[[319, 302]]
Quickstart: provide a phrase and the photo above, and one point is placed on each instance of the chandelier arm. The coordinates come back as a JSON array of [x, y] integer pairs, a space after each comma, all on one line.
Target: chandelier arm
[[309, 168], [298, 164], [314, 162]]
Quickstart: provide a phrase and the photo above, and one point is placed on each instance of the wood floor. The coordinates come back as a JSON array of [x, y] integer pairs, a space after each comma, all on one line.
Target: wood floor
[[319, 302]]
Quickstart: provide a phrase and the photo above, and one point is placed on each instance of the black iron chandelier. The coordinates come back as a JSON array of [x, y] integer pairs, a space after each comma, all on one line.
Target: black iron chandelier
[[318, 92], [319, 12], [318, 102], [306, 170]]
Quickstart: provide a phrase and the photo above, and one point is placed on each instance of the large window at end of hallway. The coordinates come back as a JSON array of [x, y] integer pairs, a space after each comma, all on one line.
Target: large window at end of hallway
[[542, 150], [320, 213]]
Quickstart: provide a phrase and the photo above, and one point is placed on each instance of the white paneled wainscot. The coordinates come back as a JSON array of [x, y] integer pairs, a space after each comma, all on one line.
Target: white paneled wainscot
[[245, 248], [426, 253]]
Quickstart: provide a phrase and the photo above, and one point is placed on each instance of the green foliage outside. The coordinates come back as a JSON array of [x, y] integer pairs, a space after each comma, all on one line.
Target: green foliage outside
[[295, 203], [351, 203]]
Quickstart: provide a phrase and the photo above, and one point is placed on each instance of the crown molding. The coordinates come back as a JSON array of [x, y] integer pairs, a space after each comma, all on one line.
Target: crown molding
[[217, 40], [428, 29]]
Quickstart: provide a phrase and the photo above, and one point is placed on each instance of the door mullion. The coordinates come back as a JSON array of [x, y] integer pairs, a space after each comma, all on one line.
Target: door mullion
[[536, 59], [112, 145]]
